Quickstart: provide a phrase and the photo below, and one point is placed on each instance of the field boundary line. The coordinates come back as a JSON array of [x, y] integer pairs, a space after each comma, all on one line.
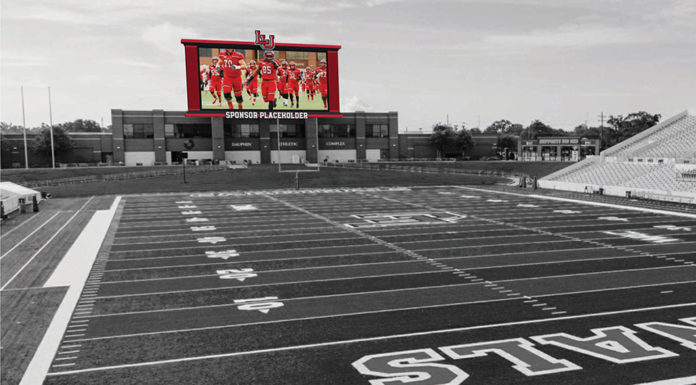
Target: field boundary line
[[84, 249]]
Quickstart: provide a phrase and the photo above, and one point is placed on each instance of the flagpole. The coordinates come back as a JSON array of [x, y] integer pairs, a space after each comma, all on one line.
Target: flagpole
[[50, 120], [24, 131]]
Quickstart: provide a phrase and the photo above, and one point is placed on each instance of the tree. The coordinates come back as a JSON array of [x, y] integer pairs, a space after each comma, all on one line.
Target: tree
[[634, 123], [475, 131], [442, 136], [498, 127], [538, 128], [464, 140], [61, 141], [80, 125]]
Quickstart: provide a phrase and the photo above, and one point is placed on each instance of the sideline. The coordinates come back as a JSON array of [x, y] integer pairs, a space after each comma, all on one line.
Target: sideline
[[72, 271], [589, 203]]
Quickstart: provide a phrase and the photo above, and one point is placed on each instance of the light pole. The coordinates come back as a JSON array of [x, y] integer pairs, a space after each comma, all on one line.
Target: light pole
[[50, 120], [24, 131]]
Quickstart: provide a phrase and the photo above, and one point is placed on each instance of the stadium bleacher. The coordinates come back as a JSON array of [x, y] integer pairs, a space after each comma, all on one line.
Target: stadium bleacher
[[655, 164]]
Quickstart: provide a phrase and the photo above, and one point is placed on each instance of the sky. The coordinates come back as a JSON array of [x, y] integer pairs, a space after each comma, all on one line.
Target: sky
[[562, 61]]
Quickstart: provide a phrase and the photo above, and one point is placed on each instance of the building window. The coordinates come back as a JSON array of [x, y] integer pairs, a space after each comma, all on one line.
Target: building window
[[192, 131], [321, 56], [336, 131], [377, 131], [138, 131], [249, 130], [169, 130], [205, 52], [286, 130]]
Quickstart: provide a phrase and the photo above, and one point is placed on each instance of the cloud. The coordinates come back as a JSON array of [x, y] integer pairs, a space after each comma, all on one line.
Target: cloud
[[167, 36], [354, 103]]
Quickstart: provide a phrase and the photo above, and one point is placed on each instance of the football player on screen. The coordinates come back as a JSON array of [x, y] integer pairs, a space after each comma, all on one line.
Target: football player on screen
[[309, 82], [293, 85], [268, 68], [252, 86], [323, 81], [283, 81], [215, 81], [232, 63]]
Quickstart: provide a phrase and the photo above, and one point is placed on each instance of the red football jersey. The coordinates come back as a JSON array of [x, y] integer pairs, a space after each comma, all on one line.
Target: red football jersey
[[294, 75], [267, 70], [227, 61], [321, 75], [309, 75], [214, 73]]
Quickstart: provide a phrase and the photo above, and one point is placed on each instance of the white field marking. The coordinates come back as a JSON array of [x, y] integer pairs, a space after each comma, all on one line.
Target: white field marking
[[190, 237], [530, 300], [70, 346], [667, 291], [72, 271], [613, 219], [196, 219], [272, 283], [135, 251], [60, 366], [673, 381], [237, 325], [29, 235], [69, 352], [255, 260], [251, 235], [268, 271], [567, 211], [673, 228], [46, 244], [588, 203], [372, 339], [6, 233], [386, 262]]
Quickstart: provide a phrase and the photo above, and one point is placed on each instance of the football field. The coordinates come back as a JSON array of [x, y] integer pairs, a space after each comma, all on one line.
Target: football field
[[421, 285]]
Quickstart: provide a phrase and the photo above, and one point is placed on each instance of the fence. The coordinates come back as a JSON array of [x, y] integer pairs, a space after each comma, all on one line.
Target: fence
[[125, 175], [424, 170]]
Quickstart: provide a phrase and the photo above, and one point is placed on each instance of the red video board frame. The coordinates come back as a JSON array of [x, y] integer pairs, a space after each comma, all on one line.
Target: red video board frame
[[192, 72]]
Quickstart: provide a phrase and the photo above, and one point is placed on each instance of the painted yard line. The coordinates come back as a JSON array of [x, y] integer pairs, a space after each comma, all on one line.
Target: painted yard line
[[6, 233], [187, 232], [265, 284], [29, 235], [225, 244], [82, 253], [589, 203], [46, 244], [417, 273], [228, 262], [673, 381], [235, 262], [161, 227], [229, 326], [372, 339], [251, 260], [196, 235]]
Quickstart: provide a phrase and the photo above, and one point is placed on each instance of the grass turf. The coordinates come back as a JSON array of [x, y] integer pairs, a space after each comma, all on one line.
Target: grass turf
[[266, 177], [41, 174], [316, 104]]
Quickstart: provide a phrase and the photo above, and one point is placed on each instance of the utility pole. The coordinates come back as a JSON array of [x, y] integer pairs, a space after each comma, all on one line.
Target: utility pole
[[24, 131], [50, 121], [601, 130]]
